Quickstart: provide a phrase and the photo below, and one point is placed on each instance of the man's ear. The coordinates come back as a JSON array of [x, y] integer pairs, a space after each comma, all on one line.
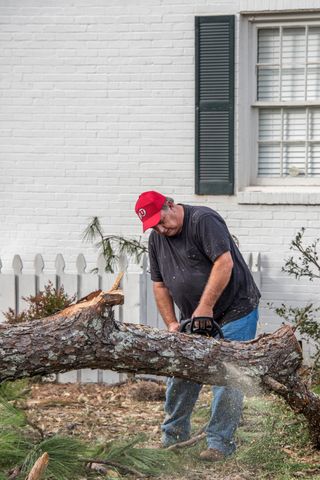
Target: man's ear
[[170, 204]]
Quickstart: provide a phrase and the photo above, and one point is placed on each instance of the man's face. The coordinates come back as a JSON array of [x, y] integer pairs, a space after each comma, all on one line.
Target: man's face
[[170, 223]]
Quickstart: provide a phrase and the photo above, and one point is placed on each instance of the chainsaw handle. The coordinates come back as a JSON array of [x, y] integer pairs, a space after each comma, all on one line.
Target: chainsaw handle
[[183, 325], [213, 331]]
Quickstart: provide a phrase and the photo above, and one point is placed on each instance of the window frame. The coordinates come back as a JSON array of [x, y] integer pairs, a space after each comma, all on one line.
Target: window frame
[[254, 23]]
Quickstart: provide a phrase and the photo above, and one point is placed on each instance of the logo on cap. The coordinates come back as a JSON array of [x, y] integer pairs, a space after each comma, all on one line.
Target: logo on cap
[[142, 213]]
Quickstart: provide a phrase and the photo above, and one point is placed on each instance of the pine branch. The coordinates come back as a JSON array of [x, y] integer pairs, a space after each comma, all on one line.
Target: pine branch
[[147, 461], [309, 257], [113, 246], [124, 468], [93, 231]]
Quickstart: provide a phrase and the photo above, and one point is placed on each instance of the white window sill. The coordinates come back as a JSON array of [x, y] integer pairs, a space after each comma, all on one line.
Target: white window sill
[[276, 195]]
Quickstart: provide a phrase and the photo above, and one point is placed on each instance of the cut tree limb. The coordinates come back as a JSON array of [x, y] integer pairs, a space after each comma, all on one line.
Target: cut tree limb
[[39, 467], [85, 335]]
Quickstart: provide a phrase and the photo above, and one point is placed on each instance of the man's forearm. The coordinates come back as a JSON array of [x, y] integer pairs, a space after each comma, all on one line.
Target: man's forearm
[[165, 305], [217, 282]]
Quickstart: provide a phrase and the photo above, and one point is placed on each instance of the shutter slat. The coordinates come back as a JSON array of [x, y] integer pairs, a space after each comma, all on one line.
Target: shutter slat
[[214, 105], [214, 151]]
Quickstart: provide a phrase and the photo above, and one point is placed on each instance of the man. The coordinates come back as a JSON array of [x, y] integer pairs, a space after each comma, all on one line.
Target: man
[[196, 265]]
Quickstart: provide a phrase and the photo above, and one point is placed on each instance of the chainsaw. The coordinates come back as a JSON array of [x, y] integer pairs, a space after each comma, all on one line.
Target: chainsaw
[[201, 326]]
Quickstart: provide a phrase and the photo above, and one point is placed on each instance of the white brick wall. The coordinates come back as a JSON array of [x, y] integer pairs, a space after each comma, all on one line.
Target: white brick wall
[[97, 105]]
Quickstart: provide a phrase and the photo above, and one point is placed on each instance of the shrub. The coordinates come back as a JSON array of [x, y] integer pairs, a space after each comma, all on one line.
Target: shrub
[[44, 304]]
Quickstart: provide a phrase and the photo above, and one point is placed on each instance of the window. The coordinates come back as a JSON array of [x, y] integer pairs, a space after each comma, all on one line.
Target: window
[[287, 104]]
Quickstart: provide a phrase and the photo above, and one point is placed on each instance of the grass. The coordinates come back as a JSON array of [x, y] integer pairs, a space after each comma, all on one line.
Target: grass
[[273, 443]]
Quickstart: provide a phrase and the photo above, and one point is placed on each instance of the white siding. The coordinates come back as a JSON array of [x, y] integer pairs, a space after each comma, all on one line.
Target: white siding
[[97, 105]]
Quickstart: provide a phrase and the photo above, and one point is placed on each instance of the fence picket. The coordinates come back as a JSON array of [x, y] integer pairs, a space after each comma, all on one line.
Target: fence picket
[[153, 318], [255, 268], [26, 286], [87, 283], [7, 292], [42, 278], [143, 290], [70, 285]]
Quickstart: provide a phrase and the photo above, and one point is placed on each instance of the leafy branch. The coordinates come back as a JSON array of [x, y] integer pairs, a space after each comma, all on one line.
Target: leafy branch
[[112, 246], [305, 319], [307, 264]]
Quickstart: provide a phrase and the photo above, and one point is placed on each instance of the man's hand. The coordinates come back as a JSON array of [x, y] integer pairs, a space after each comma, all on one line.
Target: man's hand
[[173, 327], [203, 311]]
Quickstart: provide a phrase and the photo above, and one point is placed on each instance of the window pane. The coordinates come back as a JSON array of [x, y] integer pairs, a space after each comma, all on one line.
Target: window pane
[[314, 160], [293, 46], [289, 136], [314, 44], [269, 124], [269, 160], [294, 159], [268, 45], [294, 124], [313, 83], [268, 84], [314, 124], [292, 84]]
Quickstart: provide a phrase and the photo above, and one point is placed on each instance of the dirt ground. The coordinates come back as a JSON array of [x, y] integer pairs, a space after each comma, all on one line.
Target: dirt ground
[[96, 412], [101, 412]]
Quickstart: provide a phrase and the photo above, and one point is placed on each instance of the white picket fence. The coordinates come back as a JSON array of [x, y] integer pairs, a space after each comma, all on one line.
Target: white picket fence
[[139, 305]]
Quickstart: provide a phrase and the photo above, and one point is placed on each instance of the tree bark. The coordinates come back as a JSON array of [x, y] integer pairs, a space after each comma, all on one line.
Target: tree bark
[[85, 335]]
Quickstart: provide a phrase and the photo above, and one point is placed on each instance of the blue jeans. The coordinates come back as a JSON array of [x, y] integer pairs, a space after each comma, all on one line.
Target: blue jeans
[[226, 406]]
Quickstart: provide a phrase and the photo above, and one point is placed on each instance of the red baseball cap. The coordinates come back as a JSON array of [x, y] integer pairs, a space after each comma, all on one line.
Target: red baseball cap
[[148, 207]]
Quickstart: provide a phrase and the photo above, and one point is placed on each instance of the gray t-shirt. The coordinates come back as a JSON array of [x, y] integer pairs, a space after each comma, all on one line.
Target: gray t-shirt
[[184, 262]]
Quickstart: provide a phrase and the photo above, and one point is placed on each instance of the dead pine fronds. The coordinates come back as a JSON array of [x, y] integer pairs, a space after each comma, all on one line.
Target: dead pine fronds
[[144, 390]]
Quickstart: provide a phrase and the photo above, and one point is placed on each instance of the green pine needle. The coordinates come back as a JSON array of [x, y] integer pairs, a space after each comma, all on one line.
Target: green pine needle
[[149, 461], [10, 416], [93, 231], [64, 457], [113, 246], [14, 390], [13, 448]]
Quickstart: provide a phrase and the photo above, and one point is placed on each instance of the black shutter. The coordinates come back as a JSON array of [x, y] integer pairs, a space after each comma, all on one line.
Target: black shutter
[[214, 139]]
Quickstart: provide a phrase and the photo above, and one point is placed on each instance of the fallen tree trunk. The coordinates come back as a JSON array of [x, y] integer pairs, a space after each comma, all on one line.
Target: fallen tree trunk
[[85, 335]]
